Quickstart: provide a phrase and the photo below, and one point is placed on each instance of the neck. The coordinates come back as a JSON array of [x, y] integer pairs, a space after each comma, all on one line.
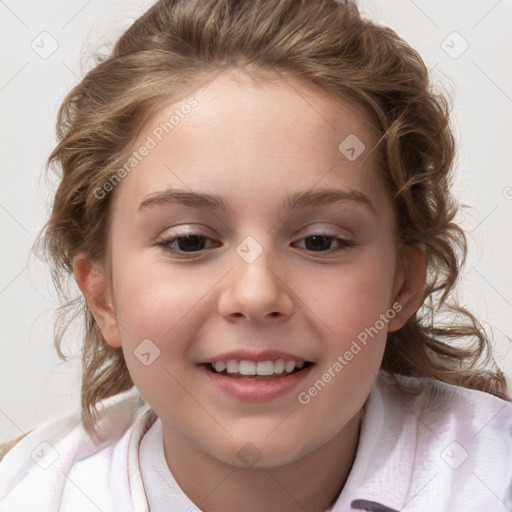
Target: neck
[[311, 483]]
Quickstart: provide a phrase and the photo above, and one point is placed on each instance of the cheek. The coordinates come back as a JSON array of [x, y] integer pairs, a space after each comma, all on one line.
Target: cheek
[[349, 298], [148, 307], [162, 303], [355, 310], [151, 294], [153, 313]]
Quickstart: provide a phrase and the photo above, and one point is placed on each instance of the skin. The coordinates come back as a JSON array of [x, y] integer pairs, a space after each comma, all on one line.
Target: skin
[[253, 143]]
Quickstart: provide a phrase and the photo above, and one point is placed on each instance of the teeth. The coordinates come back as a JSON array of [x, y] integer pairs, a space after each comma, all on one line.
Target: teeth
[[279, 366], [247, 367], [263, 368], [220, 366], [289, 366], [232, 366]]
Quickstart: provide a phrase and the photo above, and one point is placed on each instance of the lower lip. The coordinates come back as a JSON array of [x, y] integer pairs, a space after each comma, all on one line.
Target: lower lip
[[252, 390]]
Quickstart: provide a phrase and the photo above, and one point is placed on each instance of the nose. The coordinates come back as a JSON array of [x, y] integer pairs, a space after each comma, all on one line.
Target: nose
[[256, 290]]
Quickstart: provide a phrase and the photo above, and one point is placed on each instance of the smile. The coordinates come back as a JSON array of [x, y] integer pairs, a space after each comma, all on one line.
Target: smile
[[256, 377], [246, 368]]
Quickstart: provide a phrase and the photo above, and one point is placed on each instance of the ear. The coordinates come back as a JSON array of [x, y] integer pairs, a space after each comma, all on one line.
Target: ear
[[410, 284], [93, 281]]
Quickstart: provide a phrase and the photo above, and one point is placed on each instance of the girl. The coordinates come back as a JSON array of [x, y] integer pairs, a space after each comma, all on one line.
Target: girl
[[262, 370]]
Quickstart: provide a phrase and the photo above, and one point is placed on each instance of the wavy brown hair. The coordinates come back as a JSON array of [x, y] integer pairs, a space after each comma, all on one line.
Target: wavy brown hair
[[179, 43]]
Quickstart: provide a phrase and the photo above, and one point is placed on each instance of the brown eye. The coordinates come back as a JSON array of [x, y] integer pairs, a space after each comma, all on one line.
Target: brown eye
[[323, 243], [184, 244]]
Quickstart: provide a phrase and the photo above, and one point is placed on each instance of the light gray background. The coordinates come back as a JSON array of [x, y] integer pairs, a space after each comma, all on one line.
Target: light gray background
[[34, 384]]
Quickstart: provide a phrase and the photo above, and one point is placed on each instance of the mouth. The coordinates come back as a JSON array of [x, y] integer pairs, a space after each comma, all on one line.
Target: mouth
[[250, 377], [257, 370]]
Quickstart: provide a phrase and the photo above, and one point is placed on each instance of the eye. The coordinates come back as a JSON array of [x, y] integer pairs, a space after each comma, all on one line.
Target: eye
[[192, 243], [184, 244], [322, 243]]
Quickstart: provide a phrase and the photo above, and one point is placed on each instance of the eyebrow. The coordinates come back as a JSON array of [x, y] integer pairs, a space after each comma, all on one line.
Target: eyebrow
[[219, 203]]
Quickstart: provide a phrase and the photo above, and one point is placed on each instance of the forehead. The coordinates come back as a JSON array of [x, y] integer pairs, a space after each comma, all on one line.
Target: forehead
[[276, 131], [272, 106]]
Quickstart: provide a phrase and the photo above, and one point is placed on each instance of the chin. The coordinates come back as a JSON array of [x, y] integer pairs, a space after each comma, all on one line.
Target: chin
[[259, 452]]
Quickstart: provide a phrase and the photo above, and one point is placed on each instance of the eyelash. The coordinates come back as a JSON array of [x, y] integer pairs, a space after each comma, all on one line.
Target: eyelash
[[166, 243]]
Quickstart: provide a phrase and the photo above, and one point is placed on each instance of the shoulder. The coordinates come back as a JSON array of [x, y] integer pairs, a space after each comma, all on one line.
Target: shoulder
[[428, 445], [429, 397], [470, 416], [6, 446], [37, 464], [458, 439]]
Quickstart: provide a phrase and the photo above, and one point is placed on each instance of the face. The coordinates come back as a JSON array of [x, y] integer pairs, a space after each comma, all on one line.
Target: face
[[254, 268]]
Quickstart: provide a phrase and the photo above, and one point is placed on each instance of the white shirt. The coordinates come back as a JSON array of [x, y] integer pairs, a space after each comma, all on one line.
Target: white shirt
[[436, 448]]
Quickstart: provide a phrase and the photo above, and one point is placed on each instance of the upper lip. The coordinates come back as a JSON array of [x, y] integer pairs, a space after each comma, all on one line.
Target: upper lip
[[247, 355]]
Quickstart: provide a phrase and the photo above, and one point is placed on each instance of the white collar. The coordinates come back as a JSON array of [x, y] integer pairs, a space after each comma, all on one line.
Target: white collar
[[429, 447], [415, 434]]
